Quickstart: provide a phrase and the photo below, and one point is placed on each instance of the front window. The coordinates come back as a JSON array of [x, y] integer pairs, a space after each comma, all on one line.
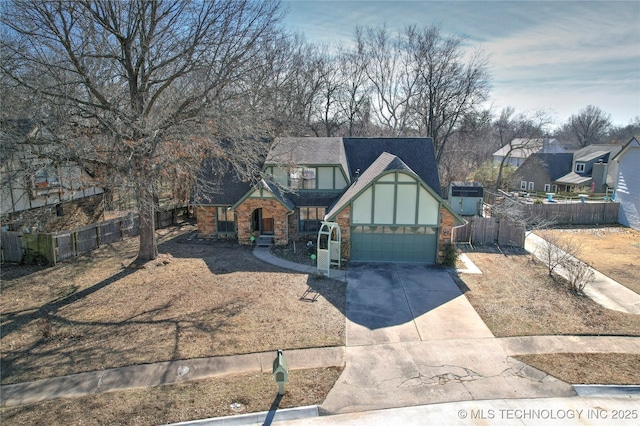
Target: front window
[[302, 178], [547, 187], [310, 219], [531, 185], [225, 221], [579, 167], [523, 184]]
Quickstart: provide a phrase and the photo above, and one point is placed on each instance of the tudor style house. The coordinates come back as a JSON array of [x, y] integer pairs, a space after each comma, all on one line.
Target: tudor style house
[[383, 192]]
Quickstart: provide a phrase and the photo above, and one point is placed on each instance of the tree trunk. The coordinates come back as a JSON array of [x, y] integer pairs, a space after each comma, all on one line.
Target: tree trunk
[[148, 244]]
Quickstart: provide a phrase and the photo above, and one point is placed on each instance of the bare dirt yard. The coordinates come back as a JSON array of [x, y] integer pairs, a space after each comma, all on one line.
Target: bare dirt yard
[[598, 368], [199, 299], [612, 250], [516, 297], [224, 396]]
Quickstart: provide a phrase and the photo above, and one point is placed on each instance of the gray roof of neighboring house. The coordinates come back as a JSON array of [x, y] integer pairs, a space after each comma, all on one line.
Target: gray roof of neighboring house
[[417, 153], [385, 162], [591, 152], [556, 165], [573, 178], [525, 147]]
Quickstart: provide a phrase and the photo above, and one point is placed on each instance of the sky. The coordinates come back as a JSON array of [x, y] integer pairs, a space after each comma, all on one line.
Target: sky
[[557, 56]]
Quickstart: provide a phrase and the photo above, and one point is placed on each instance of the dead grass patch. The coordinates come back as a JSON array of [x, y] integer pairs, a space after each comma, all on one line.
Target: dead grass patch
[[177, 403], [199, 299], [515, 297], [588, 368], [612, 250]]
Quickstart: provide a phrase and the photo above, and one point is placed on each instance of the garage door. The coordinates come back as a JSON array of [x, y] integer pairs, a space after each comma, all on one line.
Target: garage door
[[394, 244]]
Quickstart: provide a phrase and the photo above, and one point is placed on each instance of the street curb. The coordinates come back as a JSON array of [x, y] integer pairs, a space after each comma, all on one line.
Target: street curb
[[263, 417], [606, 390]]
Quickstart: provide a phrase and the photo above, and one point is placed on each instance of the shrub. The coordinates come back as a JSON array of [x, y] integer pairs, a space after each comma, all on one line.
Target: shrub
[[579, 274], [449, 255]]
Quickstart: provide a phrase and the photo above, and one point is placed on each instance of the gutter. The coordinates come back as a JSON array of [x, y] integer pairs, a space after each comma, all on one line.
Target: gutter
[[456, 227], [286, 224]]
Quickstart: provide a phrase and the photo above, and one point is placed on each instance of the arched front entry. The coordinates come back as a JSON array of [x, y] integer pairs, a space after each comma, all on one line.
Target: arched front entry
[[261, 224]]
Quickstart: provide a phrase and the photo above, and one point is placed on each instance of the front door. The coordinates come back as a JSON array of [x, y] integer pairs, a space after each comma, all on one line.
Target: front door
[[260, 224], [267, 226]]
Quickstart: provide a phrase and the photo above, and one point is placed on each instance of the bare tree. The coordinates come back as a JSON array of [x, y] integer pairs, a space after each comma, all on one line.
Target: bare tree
[[589, 126], [353, 100], [622, 134], [558, 252], [391, 80], [138, 90], [579, 274], [449, 87]]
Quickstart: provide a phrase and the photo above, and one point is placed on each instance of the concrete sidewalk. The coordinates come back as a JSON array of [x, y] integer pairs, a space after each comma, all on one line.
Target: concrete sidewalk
[[264, 254], [163, 373], [603, 290], [525, 345]]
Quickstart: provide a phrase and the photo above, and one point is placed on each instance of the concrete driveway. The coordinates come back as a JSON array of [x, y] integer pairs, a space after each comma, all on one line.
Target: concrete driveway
[[392, 303], [413, 338]]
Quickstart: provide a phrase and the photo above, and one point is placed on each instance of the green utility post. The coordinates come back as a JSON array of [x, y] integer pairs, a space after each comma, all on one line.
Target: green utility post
[[280, 372]]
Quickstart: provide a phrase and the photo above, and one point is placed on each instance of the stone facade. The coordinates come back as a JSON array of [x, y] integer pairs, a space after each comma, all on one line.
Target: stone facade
[[344, 221], [447, 221], [271, 209], [282, 217], [206, 220]]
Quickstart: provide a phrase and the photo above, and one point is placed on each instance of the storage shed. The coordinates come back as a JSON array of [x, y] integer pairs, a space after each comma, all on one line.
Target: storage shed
[[465, 198]]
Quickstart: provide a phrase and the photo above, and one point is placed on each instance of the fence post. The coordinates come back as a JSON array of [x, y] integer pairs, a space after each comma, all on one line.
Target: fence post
[[74, 243], [52, 248]]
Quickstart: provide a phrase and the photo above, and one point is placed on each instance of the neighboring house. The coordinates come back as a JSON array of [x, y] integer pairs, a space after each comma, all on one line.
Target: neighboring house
[[540, 171], [628, 183], [30, 179], [518, 150], [591, 167], [383, 192]]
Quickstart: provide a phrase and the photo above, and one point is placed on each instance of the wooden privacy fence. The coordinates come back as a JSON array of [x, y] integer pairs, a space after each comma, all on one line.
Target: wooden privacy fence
[[574, 213], [56, 246], [483, 230], [11, 243], [491, 230]]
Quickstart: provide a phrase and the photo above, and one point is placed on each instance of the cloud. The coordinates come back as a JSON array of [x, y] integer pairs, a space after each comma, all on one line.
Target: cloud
[[564, 53]]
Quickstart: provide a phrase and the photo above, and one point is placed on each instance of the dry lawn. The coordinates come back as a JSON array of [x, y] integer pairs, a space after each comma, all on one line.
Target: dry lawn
[[199, 299], [176, 403], [612, 250], [516, 297], [591, 368]]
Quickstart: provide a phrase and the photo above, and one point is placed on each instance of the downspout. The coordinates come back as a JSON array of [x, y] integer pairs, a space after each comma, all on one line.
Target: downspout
[[286, 224], [456, 227]]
